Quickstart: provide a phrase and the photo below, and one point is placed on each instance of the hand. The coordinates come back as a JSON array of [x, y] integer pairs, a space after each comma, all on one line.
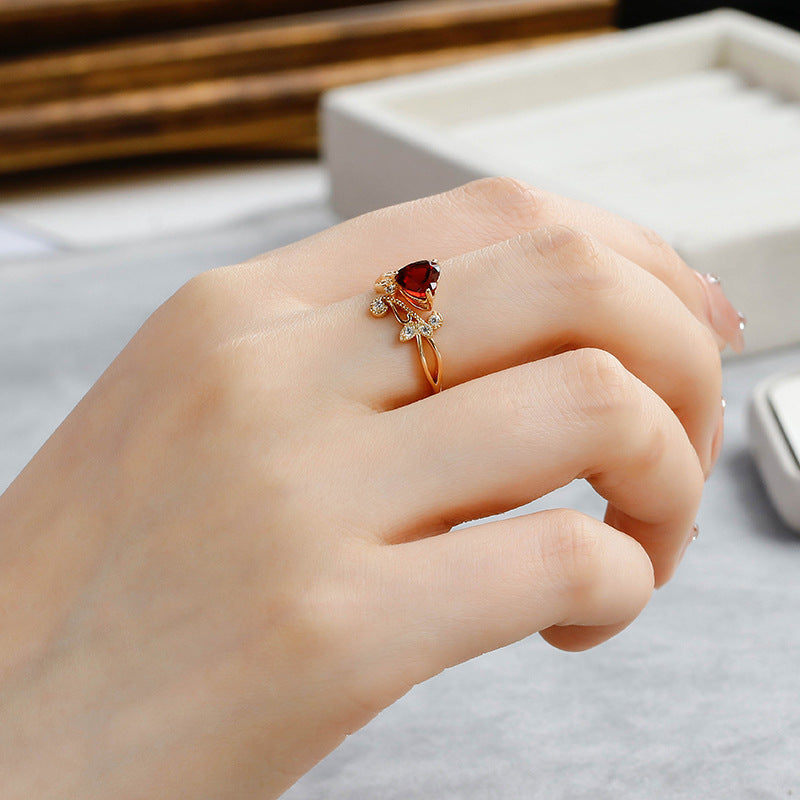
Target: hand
[[237, 549]]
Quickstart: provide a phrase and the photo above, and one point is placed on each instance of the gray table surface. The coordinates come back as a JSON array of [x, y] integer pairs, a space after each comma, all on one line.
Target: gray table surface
[[698, 699]]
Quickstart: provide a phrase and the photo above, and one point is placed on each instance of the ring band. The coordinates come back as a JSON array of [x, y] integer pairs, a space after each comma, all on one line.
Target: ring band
[[408, 292]]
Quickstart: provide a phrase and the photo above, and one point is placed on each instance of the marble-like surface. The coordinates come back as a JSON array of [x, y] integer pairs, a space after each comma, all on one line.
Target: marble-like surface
[[105, 206], [18, 242], [700, 698]]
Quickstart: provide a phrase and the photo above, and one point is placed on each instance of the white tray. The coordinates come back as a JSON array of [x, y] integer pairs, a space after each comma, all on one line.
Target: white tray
[[691, 127]]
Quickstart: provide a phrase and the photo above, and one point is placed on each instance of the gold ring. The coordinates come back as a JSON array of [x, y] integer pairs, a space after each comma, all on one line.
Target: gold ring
[[408, 292]]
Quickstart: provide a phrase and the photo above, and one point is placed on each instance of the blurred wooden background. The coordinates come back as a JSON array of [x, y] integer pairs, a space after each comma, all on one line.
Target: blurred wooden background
[[90, 80]]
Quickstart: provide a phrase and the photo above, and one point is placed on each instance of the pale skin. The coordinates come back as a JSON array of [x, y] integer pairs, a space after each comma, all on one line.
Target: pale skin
[[237, 549]]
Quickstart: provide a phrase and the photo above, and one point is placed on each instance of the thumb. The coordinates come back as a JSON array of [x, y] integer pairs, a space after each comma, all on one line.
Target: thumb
[[463, 593]]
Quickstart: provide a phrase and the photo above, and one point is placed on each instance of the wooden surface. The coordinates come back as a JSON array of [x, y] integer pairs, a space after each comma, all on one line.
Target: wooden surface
[[33, 25], [254, 86], [269, 113], [269, 45]]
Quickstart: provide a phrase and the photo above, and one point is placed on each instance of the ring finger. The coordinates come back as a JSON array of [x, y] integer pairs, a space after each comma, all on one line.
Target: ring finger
[[545, 292]]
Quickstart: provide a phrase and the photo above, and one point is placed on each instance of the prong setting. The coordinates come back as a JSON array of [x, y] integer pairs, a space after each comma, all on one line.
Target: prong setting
[[408, 292]]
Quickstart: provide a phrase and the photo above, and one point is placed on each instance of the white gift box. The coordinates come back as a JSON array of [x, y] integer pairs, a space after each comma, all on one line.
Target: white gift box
[[691, 127]]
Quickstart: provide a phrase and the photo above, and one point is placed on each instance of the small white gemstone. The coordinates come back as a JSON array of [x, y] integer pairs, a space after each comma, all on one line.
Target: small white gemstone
[[435, 321], [408, 332], [378, 307], [386, 285], [425, 329]]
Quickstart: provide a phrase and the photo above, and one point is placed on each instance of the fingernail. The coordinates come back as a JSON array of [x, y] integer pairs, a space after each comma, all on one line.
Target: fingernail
[[723, 317], [693, 534]]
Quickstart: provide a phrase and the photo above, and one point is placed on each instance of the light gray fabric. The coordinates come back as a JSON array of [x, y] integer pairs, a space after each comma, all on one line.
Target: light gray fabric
[[698, 699]]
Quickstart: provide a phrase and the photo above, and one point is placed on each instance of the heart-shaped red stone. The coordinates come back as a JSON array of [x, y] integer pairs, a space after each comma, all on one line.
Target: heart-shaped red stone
[[415, 279]]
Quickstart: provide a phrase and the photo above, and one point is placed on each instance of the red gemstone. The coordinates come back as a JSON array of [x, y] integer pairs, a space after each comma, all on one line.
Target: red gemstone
[[415, 279]]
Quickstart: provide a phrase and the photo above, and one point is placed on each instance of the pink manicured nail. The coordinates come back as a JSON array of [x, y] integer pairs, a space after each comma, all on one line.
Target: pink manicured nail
[[724, 318]]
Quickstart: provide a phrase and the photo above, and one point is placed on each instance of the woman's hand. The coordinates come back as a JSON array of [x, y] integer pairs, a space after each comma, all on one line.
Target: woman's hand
[[237, 549]]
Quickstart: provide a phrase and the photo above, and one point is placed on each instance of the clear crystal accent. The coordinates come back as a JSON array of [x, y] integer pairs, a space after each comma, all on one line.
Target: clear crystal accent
[[425, 329], [385, 285], [435, 320], [408, 332], [378, 307]]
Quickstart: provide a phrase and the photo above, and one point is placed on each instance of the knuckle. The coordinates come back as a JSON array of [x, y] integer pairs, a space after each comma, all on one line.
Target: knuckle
[[571, 550], [203, 306], [320, 602], [671, 264], [333, 620], [598, 383], [202, 292], [577, 258], [310, 619], [511, 200], [628, 413], [657, 242]]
